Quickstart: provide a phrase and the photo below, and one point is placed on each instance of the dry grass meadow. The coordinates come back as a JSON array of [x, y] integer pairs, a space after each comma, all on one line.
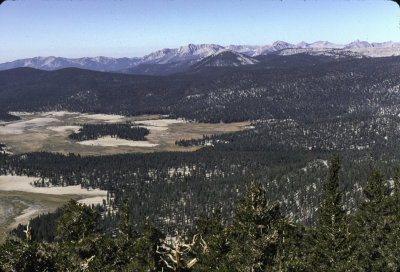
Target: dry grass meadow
[[48, 131]]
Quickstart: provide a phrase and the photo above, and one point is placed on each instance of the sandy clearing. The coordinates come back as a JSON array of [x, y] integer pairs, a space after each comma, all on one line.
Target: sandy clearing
[[20, 113], [44, 113], [153, 128], [105, 117], [160, 122], [21, 183], [5, 209], [21, 126], [115, 121], [110, 141], [58, 113], [27, 214], [65, 128], [33, 211], [92, 200]]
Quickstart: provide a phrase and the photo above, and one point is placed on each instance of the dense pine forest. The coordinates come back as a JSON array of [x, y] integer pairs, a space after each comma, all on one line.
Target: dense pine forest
[[296, 87], [258, 238], [288, 158], [121, 131]]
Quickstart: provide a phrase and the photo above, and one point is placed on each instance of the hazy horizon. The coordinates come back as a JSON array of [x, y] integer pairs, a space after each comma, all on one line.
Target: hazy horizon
[[74, 29]]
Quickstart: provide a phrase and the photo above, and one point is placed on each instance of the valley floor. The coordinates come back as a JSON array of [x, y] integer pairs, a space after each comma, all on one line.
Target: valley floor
[[48, 131]]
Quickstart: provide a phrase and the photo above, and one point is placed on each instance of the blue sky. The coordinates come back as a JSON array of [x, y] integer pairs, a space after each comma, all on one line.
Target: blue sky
[[129, 28]]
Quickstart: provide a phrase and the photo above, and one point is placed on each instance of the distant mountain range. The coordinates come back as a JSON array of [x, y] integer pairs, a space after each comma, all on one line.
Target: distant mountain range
[[167, 61]]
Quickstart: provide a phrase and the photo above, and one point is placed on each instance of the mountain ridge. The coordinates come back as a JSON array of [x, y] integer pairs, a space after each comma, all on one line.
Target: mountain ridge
[[226, 58], [196, 52]]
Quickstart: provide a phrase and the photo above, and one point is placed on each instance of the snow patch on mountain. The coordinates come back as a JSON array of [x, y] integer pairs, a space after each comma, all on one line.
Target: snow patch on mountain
[[249, 50], [183, 53], [325, 45], [226, 58]]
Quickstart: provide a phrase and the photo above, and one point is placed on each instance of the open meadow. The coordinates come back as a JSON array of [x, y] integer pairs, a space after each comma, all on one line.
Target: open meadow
[[48, 131]]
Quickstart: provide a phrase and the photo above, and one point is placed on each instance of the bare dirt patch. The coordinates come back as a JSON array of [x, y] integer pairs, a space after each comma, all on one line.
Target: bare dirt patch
[[22, 126], [111, 141], [23, 184], [108, 118], [65, 128]]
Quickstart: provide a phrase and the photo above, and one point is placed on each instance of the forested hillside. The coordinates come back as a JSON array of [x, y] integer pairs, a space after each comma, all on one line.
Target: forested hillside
[[258, 238], [375, 133], [320, 90]]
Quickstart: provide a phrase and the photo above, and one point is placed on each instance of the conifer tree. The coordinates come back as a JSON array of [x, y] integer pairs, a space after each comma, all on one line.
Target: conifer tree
[[146, 257], [77, 232], [17, 255], [254, 232], [212, 231], [392, 248], [76, 222], [126, 238], [332, 249], [125, 228], [373, 226], [296, 246]]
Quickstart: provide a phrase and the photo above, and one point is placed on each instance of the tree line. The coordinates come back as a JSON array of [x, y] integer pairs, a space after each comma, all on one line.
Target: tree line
[[121, 131]]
